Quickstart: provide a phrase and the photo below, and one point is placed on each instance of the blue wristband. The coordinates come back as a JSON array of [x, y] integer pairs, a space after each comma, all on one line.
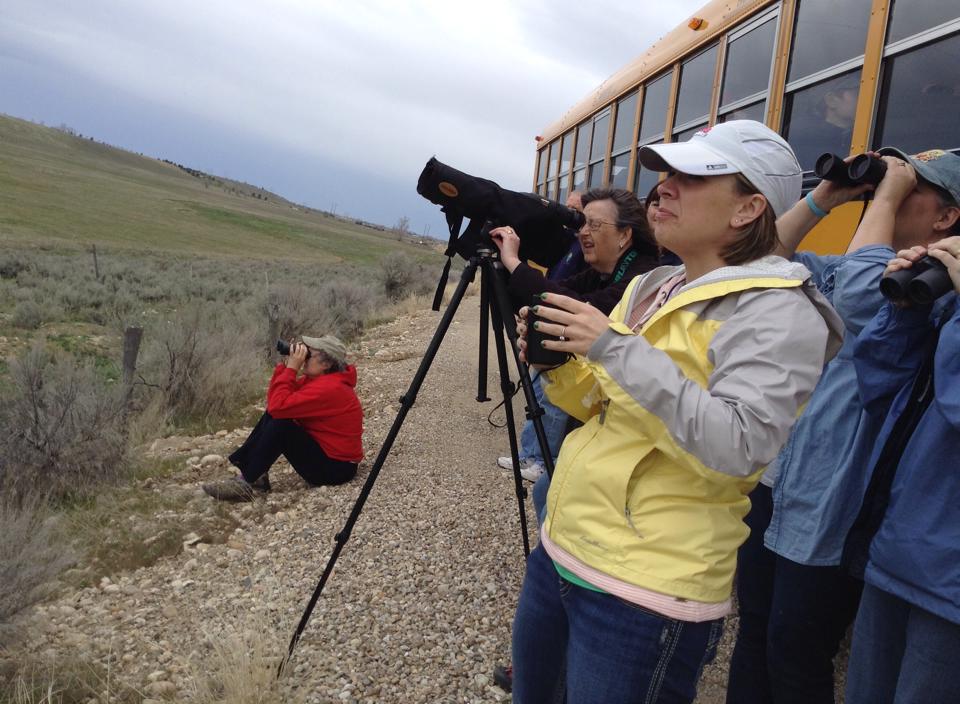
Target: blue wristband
[[814, 208]]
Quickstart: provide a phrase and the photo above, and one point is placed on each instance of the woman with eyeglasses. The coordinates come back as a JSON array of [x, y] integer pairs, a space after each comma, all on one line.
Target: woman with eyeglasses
[[616, 243], [686, 390]]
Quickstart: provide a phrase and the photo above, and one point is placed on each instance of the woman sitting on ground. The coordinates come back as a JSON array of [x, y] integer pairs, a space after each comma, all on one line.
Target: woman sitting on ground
[[313, 418], [686, 391]]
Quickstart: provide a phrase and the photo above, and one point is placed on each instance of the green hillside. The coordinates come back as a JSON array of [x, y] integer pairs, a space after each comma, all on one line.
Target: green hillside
[[56, 187]]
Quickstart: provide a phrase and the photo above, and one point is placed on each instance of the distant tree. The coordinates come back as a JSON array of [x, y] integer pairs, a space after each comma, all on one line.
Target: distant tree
[[402, 228]]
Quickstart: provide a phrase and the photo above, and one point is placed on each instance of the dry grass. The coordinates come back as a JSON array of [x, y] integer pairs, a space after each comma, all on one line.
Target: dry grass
[[33, 553], [241, 667]]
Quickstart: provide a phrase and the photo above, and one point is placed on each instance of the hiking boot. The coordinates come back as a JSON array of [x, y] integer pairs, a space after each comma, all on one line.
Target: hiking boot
[[503, 677], [533, 471], [236, 489], [507, 462]]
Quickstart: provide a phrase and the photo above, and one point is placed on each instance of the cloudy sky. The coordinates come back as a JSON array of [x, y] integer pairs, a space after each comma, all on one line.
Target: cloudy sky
[[332, 104]]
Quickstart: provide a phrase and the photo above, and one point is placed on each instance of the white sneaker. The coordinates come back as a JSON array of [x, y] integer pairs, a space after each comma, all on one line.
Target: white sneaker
[[507, 463], [533, 471]]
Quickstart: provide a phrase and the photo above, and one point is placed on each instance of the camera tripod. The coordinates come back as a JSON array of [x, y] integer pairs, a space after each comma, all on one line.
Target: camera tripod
[[494, 306]]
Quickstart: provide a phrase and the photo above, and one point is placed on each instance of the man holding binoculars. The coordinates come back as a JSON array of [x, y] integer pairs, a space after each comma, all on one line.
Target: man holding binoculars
[[796, 601], [313, 418]]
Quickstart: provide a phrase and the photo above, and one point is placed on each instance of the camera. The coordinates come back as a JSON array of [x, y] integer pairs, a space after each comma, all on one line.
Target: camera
[[865, 168], [537, 353], [537, 221], [283, 347], [921, 284]]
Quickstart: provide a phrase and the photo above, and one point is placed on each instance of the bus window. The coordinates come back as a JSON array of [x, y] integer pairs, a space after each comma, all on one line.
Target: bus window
[[655, 99], [646, 179], [687, 134], [623, 129], [827, 33], [542, 170], [920, 98], [748, 64], [580, 180], [583, 145], [619, 168], [696, 87], [565, 152], [819, 118], [599, 144], [562, 193], [552, 189], [554, 160], [757, 111], [908, 17], [598, 148]]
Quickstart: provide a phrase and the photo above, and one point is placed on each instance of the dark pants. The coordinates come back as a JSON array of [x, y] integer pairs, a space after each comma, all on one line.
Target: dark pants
[[271, 438], [749, 682], [812, 609], [792, 620]]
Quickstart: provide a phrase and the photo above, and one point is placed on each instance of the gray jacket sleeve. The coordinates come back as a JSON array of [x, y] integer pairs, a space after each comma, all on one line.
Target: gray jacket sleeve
[[766, 358]]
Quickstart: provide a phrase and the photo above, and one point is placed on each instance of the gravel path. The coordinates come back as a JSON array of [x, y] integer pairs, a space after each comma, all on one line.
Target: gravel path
[[420, 604]]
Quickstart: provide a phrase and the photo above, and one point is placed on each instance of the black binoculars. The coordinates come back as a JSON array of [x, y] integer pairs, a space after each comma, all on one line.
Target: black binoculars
[[283, 347], [922, 283], [863, 169]]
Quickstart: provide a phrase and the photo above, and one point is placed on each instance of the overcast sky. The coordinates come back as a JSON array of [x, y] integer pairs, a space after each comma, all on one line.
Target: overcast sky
[[331, 104]]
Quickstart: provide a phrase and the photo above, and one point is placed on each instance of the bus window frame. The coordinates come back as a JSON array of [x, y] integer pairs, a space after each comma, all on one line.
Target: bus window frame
[[772, 14], [608, 112], [678, 79]]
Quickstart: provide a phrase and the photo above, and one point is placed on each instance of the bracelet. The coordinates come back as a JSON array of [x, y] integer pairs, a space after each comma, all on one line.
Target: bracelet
[[814, 208]]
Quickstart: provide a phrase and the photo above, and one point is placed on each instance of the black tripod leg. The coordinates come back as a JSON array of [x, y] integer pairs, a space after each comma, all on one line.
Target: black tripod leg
[[482, 348], [506, 387], [406, 403], [501, 304]]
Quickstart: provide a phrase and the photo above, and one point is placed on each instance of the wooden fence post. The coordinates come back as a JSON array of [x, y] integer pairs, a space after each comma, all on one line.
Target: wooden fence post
[[131, 348], [96, 263], [273, 325]]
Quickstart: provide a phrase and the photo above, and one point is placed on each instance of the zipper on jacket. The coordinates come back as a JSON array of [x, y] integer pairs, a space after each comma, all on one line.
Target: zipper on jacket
[[603, 410]]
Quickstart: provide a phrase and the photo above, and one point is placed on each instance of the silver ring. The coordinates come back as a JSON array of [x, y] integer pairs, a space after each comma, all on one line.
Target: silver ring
[[562, 338]]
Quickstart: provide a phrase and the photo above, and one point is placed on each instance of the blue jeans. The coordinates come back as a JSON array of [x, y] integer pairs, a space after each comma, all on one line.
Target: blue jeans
[[540, 489], [598, 649], [554, 427], [902, 654]]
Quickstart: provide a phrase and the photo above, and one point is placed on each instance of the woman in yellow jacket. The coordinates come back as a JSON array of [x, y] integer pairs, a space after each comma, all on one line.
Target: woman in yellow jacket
[[687, 390]]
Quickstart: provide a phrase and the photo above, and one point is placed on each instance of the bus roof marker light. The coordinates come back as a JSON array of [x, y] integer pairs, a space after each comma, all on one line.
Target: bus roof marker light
[[696, 23]]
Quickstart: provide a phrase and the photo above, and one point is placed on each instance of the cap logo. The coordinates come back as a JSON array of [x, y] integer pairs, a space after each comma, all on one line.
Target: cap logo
[[715, 167], [703, 132], [929, 155]]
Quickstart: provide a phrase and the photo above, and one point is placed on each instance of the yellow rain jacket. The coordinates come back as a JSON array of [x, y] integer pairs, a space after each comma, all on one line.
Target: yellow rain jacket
[[679, 422]]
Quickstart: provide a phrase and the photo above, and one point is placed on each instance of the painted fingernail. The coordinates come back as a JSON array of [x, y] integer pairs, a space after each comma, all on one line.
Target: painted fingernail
[[543, 296], [536, 325], [543, 343], [536, 310]]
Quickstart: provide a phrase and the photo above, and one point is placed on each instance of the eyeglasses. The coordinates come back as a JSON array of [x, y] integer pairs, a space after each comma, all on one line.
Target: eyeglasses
[[595, 225]]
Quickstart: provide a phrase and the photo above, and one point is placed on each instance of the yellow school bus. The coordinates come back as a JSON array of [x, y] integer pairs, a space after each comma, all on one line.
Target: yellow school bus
[[829, 75]]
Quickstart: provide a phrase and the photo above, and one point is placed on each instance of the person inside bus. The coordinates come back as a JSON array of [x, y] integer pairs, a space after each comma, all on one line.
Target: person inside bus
[[617, 246], [796, 602], [687, 390], [906, 637]]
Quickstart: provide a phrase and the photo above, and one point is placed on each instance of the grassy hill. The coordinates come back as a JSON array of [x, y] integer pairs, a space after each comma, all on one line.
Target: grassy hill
[[61, 188]]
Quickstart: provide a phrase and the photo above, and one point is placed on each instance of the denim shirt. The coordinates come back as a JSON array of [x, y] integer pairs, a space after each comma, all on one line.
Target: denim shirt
[[823, 469]]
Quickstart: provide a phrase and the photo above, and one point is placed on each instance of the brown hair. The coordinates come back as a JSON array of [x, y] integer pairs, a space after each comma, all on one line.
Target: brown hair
[[757, 238], [630, 213], [946, 201]]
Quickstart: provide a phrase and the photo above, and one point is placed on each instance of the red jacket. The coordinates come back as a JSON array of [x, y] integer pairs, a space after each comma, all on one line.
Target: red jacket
[[325, 406]]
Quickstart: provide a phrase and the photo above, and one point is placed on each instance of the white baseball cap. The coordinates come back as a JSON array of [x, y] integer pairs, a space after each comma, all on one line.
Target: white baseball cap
[[739, 146]]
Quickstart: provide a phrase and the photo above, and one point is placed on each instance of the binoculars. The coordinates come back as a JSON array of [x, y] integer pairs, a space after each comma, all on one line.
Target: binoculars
[[863, 169], [283, 347], [921, 284]]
